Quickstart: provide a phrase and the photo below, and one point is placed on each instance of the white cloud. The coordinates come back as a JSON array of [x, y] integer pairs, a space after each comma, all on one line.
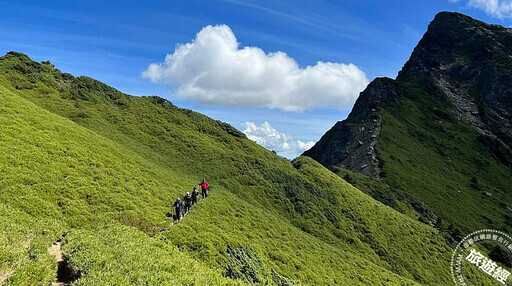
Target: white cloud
[[267, 136], [214, 69], [303, 146], [495, 8], [270, 138]]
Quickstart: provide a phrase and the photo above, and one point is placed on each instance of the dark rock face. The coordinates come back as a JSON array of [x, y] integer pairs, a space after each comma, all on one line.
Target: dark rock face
[[468, 60], [351, 142], [471, 61]]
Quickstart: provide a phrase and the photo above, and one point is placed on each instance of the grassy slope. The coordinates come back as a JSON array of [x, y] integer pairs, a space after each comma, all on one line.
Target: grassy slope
[[443, 162], [396, 198], [123, 159], [58, 177]]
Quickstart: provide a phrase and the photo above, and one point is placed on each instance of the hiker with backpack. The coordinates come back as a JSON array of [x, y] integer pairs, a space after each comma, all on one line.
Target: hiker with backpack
[[188, 203], [195, 195], [204, 188], [178, 206], [182, 207]]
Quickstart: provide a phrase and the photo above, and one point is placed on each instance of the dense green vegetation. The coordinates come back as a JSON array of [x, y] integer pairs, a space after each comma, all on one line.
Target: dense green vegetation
[[429, 149], [444, 151], [443, 161], [396, 198], [86, 163], [435, 167], [57, 177]]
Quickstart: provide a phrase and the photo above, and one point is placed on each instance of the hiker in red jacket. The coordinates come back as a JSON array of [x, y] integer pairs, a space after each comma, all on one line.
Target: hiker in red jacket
[[204, 188]]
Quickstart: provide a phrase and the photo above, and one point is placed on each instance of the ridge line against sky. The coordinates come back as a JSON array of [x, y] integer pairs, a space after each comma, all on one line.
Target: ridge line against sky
[[120, 41]]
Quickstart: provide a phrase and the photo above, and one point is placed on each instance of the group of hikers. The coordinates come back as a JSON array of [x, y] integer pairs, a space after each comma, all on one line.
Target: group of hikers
[[182, 207]]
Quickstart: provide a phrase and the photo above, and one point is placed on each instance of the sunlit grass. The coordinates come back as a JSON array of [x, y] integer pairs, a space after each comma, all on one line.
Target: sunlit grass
[[83, 160]]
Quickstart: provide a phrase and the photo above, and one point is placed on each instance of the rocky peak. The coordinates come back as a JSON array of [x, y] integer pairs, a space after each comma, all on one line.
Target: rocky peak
[[379, 92], [353, 140], [454, 38], [467, 61], [471, 63]]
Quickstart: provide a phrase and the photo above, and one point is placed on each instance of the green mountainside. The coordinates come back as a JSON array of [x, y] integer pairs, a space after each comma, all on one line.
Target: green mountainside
[[436, 142], [98, 169]]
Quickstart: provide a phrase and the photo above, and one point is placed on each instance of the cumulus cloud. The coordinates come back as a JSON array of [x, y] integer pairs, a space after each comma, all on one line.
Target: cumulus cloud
[[270, 138], [214, 69], [267, 136], [303, 146], [495, 8]]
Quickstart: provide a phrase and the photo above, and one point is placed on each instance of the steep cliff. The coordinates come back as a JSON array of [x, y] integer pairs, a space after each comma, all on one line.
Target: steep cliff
[[442, 130]]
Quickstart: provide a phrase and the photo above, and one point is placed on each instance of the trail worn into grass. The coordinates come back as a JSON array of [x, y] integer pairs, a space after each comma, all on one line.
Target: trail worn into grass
[[5, 276], [64, 273], [101, 166]]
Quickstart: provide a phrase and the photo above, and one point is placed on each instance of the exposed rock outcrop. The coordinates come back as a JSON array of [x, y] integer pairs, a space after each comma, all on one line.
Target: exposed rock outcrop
[[469, 61], [352, 141]]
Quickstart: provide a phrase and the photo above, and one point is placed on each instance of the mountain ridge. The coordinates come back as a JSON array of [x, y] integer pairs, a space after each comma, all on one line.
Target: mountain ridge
[[99, 169], [439, 128]]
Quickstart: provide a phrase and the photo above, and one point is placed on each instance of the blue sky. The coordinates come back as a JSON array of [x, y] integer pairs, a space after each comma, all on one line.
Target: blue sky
[[116, 41]]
